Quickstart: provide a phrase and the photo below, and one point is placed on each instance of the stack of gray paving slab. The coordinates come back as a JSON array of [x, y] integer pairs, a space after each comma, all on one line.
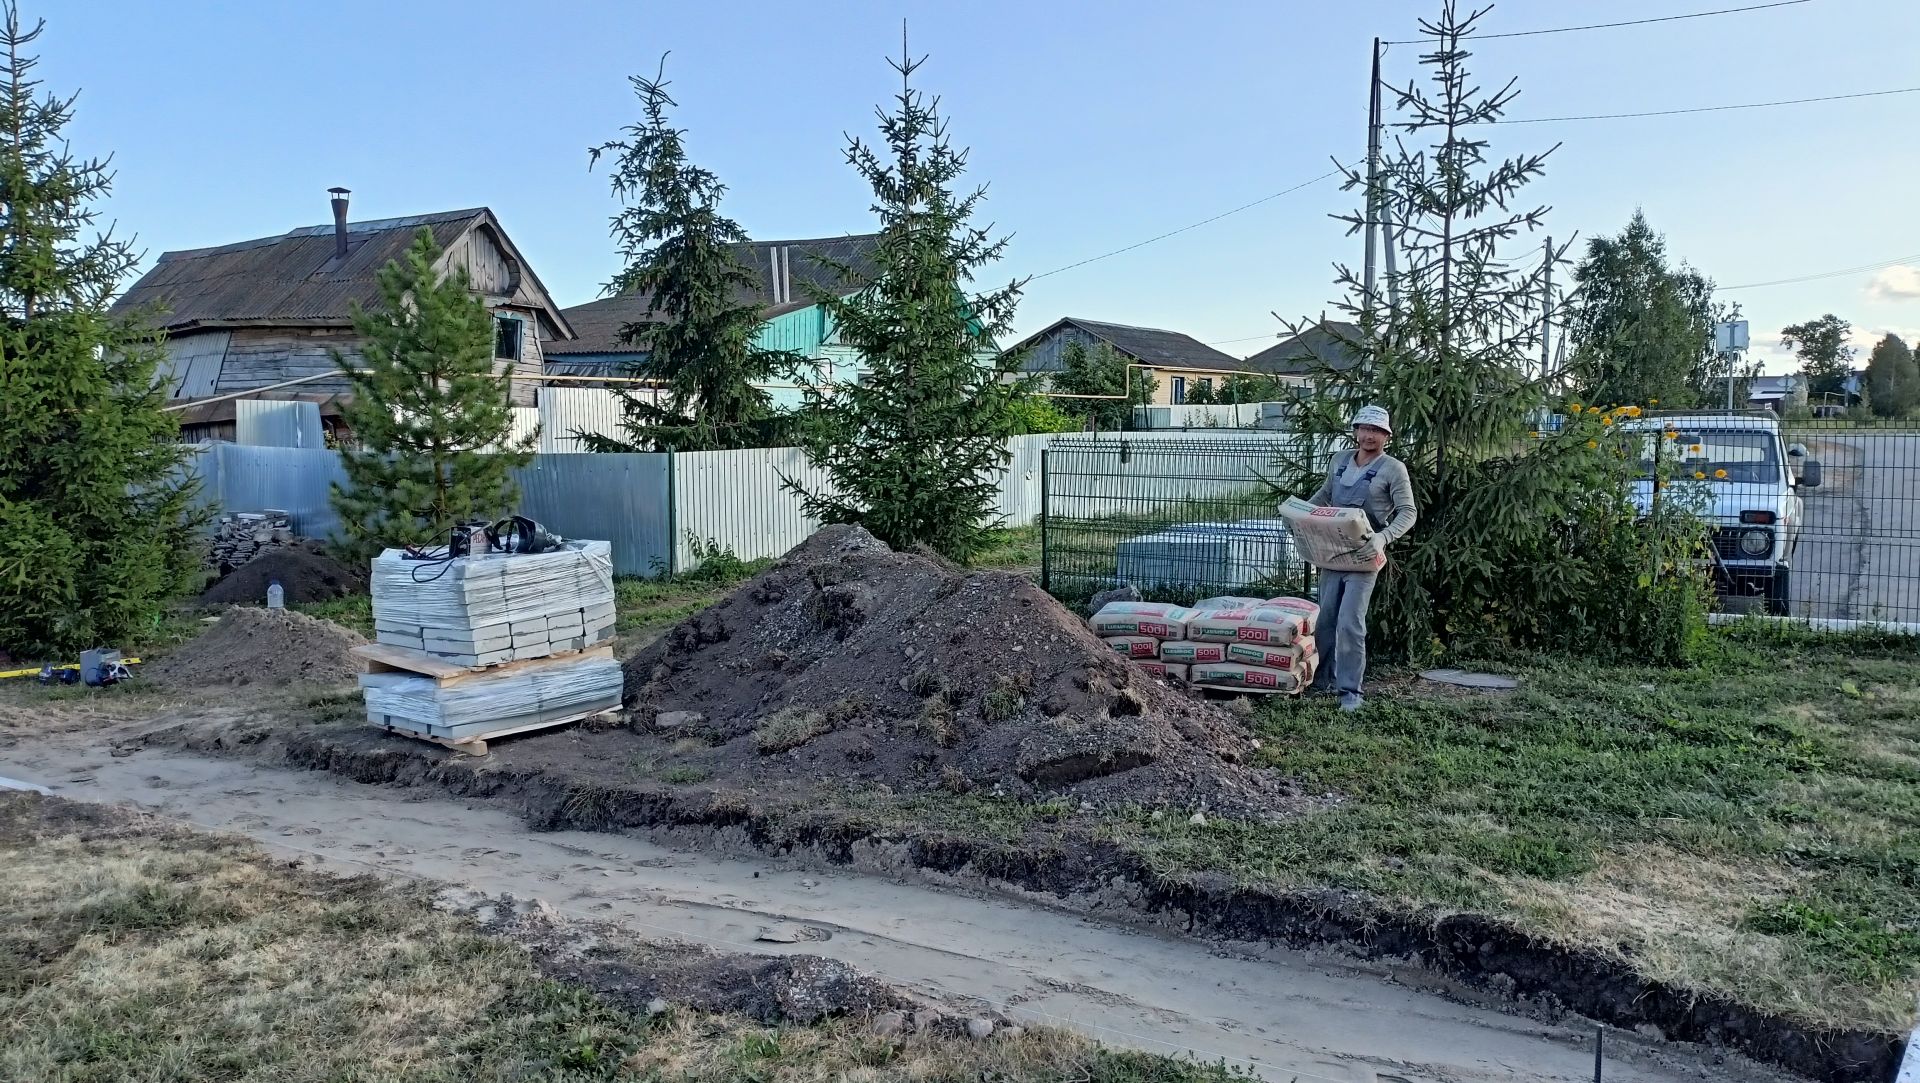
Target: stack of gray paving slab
[[495, 701], [501, 607]]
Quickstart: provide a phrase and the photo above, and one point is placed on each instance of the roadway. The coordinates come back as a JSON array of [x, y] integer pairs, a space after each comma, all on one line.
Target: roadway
[[1859, 550]]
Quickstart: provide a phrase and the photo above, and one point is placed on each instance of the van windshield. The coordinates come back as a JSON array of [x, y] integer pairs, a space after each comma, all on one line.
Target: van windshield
[[1749, 456]]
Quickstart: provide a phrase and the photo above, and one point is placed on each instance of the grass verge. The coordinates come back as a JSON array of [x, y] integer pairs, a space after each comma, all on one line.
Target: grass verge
[[132, 949]]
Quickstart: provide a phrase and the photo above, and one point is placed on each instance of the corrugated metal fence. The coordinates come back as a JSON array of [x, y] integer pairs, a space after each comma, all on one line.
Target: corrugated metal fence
[[653, 508]]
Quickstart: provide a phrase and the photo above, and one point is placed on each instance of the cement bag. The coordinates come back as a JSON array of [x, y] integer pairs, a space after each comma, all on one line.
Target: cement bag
[[1134, 646], [1188, 652], [1247, 678], [1165, 670], [1308, 612], [1205, 604], [1293, 657], [1327, 536], [1156, 619], [1245, 625]]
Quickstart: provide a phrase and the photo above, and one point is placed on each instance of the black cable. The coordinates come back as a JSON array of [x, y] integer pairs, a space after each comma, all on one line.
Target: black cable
[[1205, 221], [1610, 26], [1825, 274], [1711, 108]]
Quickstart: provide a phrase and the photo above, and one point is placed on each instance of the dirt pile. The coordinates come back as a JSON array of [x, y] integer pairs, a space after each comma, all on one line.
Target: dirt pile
[[849, 663], [269, 647], [306, 574]]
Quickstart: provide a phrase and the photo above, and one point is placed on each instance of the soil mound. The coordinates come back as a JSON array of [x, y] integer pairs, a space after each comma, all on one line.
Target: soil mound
[[306, 575], [850, 663], [271, 647]]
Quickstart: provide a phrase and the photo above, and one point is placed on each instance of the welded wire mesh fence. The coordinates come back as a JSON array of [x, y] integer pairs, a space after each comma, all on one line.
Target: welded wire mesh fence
[[1178, 519], [1856, 552]]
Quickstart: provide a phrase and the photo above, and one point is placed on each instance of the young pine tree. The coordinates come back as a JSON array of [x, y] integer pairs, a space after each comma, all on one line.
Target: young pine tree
[[1512, 526], [698, 335], [915, 448], [96, 519], [428, 413]]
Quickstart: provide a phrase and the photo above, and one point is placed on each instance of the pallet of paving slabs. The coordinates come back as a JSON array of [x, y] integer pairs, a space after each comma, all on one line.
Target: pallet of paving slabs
[[423, 697], [386, 658]]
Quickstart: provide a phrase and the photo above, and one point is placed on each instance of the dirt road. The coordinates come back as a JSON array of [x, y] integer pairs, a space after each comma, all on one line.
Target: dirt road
[[1286, 1015]]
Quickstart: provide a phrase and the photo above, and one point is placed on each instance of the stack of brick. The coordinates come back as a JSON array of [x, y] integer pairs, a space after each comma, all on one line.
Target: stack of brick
[[241, 536], [481, 611]]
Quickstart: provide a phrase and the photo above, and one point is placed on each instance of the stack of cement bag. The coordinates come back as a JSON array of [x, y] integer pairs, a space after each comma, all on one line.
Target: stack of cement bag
[[501, 607], [1244, 644]]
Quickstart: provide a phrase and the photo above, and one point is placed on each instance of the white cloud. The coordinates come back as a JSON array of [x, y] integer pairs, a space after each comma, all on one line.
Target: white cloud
[[1897, 283]]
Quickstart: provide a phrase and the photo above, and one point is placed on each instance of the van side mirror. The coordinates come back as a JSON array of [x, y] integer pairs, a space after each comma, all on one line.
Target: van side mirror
[[1810, 474]]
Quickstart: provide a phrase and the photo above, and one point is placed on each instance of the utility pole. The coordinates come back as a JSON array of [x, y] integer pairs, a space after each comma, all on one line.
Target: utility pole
[[1546, 312], [1373, 180]]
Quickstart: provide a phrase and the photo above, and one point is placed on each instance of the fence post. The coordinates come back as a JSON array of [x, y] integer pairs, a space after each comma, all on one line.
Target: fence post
[[1046, 579], [673, 519]]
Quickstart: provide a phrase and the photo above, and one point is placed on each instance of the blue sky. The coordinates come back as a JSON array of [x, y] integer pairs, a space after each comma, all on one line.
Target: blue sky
[[1096, 125]]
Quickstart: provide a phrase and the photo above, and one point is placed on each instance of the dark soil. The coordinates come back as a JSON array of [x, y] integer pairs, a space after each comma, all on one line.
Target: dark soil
[[306, 575], [271, 647], [849, 664]]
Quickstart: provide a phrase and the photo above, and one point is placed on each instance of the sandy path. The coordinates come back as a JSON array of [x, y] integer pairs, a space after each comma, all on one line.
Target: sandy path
[[1288, 1015]]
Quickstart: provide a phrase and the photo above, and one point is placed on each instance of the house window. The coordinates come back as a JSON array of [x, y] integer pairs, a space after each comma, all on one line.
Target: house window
[[506, 337], [1206, 383], [1178, 384]]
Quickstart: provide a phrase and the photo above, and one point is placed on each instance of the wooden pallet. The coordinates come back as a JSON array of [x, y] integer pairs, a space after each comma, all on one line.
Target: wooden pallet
[[476, 744], [387, 658]]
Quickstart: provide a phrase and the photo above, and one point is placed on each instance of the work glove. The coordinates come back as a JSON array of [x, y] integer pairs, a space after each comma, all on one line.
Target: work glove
[[1373, 548]]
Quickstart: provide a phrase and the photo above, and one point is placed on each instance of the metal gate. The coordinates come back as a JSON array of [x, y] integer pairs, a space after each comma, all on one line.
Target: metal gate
[[1858, 554]]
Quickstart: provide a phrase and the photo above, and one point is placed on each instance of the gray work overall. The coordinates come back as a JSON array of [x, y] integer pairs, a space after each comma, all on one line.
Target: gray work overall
[[1344, 596]]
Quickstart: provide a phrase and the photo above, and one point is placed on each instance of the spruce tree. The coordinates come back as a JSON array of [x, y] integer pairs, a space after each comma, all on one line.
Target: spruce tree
[[1522, 536], [96, 511], [916, 447], [701, 318], [429, 415]]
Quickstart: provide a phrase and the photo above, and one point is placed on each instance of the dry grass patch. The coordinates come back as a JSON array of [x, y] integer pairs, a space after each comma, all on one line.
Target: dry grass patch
[[135, 949]]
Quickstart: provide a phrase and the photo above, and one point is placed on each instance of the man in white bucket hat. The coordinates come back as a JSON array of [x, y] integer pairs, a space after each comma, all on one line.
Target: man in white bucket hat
[[1370, 479]]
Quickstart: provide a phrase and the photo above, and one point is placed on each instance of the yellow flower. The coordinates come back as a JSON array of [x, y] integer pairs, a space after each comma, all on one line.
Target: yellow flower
[[1653, 402], [1698, 476], [1634, 411], [1593, 443], [1574, 406], [1608, 420], [1721, 474], [1593, 409], [1671, 435]]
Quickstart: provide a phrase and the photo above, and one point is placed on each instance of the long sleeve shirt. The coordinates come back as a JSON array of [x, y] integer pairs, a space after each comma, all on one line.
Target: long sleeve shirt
[[1389, 501]]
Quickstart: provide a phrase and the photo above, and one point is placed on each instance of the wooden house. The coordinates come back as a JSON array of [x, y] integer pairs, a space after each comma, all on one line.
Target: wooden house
[[265, 315], [1178, 363], [786, 275]]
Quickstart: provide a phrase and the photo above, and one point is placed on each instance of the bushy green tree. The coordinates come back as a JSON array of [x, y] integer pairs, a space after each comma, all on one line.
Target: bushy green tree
[[1640, 329], [1825, 357], [96, 519], [1526, 537], [1101, 371], [429, 415], [702, 315], [1200, 392], [1893, 379], [1252, 387], [916, 448]]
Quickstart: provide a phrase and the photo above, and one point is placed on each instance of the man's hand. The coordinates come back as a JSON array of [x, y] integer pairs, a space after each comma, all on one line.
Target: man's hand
[[1373, 548]]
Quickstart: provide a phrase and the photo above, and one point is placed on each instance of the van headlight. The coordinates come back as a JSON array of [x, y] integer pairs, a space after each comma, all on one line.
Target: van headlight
[[1756, 543]]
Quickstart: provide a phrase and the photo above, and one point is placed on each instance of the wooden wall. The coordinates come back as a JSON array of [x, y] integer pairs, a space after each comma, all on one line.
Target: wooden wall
[[258, 356], [487, 263], [192, 366]]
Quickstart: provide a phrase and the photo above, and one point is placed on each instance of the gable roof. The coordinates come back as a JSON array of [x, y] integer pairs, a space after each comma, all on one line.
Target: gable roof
[[294, 279], [1324, 345], [785, 273], [1146, 345]]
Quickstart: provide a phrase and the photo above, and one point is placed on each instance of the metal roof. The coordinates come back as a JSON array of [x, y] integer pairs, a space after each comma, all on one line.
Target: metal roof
[[783, 272], [1321, 346], [294, 279], [1148, 345]]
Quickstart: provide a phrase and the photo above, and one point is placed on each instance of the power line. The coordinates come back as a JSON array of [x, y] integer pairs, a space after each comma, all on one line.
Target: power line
[[1610, 26], [1205, 221], [1712, 108], [1843, 272]]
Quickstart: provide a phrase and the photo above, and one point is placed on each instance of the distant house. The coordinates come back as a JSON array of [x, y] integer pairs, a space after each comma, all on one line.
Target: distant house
[[263, 315], [786, 274], [1776, 393], [1319, 347], [1178, 363]]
